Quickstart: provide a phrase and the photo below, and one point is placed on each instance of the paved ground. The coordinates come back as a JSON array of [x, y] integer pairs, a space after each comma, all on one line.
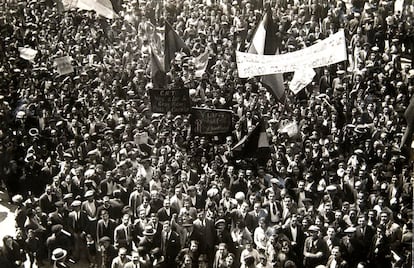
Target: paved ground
[[7, 226]]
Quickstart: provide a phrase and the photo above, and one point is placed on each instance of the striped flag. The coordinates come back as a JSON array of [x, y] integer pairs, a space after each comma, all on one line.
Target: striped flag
[[264, 42], [201, 63], [254, 144], [173, 44], [158, 75]]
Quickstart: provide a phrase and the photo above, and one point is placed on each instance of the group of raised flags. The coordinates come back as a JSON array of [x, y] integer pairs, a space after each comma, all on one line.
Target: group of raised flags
[[174, 44], [262, 59]]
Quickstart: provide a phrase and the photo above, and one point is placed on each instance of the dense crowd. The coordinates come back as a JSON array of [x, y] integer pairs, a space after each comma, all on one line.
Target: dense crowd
[[98, 177]]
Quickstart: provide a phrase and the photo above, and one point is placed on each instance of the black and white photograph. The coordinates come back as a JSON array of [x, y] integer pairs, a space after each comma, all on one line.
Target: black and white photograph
[[206, 133]]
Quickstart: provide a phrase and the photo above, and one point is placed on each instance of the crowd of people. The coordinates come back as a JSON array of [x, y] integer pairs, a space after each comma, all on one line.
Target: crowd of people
[[97, 177]]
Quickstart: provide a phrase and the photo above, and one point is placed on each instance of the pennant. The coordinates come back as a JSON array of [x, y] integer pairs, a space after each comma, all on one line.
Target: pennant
[[201, 63], [28, 53], [63, 65], [158, 76], [265, 42], [173, 44]]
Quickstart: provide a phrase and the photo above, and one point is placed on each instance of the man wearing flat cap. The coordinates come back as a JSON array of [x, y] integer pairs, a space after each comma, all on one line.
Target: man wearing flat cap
[[315, 250]]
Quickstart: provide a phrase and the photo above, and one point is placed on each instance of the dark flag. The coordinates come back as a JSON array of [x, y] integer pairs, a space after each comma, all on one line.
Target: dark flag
[[158, 75], [173, 44], [254, 145]]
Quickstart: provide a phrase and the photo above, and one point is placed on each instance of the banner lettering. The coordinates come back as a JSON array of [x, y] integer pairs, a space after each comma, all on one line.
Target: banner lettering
[[176, 101], [211, 121], [328, 51]]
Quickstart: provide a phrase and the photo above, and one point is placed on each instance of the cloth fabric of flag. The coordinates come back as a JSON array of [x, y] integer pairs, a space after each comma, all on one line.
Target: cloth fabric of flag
[[101, 7], [254, 144], [173, 44], [158, 75], [265, 42], [201, 63]]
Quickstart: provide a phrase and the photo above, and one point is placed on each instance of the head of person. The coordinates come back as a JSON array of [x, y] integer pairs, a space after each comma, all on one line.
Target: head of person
[[122, 253]]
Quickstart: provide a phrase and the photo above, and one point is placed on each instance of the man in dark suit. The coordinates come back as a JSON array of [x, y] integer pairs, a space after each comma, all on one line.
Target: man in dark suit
[[123, 234], [77, 221], [47, 200], [166, 212], [242, 214], [170, 244], [296, 235], [58, 216], [331, 239], [107, 252], [105, 226], [363, 235], [325, 81], [206, 228], [148, 243], [196, 200], [108, 185], [112, 210], [257, 213]]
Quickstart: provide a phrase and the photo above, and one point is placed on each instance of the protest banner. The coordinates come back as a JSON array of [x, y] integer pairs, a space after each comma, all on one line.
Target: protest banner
[[176, 101], [101, 7], [27, 53], [301, 79], [63, 65], [210, 121], [328, 51]]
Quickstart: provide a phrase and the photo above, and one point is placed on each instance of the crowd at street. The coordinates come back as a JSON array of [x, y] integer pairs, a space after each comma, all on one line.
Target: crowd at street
[[97, 177]]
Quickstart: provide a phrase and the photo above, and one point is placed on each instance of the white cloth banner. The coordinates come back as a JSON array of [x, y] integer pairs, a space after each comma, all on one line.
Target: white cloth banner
[[301, 79], [101, 7], [328, 51]]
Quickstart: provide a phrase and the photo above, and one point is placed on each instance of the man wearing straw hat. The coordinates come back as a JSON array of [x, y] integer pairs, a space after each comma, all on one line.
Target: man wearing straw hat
[[59, 258]]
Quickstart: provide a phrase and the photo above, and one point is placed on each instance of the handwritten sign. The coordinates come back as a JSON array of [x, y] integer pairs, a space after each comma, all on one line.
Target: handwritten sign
[[328, 51], [301, 79], [211, 121], [176, 101]]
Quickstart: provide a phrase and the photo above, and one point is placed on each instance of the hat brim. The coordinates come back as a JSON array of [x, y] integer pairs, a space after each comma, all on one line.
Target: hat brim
[[65, 253]]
